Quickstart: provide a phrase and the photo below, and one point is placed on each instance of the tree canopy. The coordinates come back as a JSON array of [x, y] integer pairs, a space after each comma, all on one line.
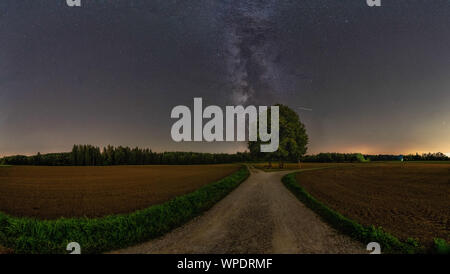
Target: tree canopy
[[292, 134]]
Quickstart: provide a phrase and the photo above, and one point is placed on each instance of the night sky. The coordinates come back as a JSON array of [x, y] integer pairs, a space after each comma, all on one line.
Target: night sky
[[370, 80]]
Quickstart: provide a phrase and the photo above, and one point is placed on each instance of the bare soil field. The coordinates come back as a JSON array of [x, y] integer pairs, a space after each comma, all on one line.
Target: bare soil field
[[406, 199], [93, 191]]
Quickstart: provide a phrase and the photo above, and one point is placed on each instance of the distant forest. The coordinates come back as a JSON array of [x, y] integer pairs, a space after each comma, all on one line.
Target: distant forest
[[88, 155], [358, 157]]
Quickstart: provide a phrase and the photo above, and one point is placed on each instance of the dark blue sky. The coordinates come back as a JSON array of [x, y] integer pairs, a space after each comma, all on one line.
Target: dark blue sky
[[377, 79]]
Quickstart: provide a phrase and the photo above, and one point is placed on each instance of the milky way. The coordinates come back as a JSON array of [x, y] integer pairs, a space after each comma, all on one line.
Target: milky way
[[251, 51], [370, 80]]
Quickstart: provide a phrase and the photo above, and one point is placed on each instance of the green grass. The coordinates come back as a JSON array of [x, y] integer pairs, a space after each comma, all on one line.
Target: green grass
[[441, 246], [27, 235], [365, 234]]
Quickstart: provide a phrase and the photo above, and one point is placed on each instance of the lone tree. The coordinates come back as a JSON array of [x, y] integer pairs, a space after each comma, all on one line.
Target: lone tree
[[293, 139]]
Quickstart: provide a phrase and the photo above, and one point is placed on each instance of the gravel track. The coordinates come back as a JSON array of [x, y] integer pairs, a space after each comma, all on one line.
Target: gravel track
[[260, 216]]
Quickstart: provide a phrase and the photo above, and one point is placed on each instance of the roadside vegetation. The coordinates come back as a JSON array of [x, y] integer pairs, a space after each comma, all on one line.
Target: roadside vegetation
[[27, 235]]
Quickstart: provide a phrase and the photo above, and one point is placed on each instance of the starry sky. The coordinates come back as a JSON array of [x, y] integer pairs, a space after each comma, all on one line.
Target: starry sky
[[370, 80]]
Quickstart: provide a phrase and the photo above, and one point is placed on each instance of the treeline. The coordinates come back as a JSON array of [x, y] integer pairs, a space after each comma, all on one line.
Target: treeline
[[334, 157], [51, 159], [358, 157], [439, 156], [88, 155]]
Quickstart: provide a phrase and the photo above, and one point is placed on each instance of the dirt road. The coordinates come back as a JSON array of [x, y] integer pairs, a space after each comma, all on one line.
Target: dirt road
[[260, 216]]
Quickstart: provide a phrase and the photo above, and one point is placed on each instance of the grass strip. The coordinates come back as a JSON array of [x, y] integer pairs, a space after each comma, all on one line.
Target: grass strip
[[95, 235], [365, 234]]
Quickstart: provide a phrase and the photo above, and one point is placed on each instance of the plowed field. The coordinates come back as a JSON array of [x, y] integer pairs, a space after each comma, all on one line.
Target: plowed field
[[92, 191], [407, 200]]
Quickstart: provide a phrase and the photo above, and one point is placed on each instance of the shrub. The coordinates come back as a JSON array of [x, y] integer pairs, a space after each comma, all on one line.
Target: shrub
[[441, 246]]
